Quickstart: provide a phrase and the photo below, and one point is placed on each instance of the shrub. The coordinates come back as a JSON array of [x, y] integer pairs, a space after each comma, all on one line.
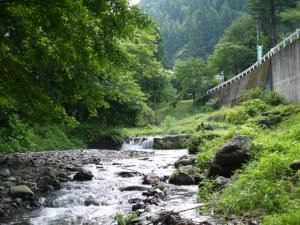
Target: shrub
[[125, 220], [290, 218], [169, 123], [268, 96]]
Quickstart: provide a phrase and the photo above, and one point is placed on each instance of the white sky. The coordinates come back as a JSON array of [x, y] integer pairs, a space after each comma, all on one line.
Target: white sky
[[134, 1]]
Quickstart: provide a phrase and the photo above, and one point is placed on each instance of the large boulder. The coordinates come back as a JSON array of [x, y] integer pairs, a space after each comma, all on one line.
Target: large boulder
[[181, 178], [83, 175], [171, 142], [230, 157], [21, 191]]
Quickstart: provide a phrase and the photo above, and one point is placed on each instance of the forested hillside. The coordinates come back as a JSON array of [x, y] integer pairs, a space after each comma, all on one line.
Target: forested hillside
[[73, 64], [191, 28]]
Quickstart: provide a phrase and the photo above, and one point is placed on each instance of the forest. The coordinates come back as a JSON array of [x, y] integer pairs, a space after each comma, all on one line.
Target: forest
[[95, 74]]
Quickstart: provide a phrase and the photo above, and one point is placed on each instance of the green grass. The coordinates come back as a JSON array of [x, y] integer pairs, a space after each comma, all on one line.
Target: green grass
[[265, 187], [185, 118]]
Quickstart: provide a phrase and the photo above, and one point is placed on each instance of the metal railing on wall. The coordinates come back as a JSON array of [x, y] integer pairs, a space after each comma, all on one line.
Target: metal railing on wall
[[289, 40]]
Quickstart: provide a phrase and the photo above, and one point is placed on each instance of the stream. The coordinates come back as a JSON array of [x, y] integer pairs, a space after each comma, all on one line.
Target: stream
[[67, 206]]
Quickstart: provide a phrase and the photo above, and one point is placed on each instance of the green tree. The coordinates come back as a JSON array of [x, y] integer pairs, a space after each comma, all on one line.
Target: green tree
[[236, 51], [267, 15], [193, 76]]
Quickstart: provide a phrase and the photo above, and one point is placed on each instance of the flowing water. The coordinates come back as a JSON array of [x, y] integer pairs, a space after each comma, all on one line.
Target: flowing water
[[67, 206]]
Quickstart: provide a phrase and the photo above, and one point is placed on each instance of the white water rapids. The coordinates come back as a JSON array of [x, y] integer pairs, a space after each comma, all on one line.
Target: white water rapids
[[66, 207]]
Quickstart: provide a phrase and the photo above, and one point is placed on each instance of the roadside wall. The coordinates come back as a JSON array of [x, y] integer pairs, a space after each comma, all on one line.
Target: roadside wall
[[286, 72], [231, 94], [281, 73]]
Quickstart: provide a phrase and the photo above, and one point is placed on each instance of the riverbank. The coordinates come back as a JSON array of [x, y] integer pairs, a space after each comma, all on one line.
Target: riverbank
[[264, 186], [36, 175], [117, 186]]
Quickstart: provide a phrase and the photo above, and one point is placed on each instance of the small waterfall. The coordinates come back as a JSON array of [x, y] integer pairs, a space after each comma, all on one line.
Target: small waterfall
[[138, 143]]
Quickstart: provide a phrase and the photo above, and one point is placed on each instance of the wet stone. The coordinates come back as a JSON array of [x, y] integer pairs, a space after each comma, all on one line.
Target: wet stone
[[134, 201], [21, 191], [4, 172], [83, 175], [134, 188]]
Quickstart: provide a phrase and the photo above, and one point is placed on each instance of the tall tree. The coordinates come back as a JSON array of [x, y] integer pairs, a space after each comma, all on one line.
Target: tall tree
[[267, 12], [193, 77], [236, 51]]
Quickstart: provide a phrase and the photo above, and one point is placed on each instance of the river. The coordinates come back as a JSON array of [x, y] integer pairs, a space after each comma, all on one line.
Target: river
[[68, 205]]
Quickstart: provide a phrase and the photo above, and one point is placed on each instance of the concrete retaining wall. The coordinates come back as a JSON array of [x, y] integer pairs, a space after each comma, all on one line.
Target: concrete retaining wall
[[280, 73], [286, 72]]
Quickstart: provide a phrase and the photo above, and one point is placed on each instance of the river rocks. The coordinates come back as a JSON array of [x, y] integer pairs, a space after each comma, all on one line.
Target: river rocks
[[83, 175], [230, 157], [91, 201], [295, 165], [171, 142], [138, 206], [4, 172], [185, 161], [181, 178], [21, 191], [134, 188], [49, 182], [127, 174], [134, 201]]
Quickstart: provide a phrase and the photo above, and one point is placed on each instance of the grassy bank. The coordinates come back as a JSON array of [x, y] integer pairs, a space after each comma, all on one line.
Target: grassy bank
[[266, 187], [184, 118], [20, 136]]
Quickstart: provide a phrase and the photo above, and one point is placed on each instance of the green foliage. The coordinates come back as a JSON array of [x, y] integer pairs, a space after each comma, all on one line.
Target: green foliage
[[207, 190], [290, 218], [268, 96], [125, 220], [20, 136], [193, 76], [236, 51], [267, 15], [168, 123], [191, 28]]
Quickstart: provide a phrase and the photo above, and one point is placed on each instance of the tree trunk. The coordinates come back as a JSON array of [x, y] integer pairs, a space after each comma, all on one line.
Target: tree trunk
[[273, 24]]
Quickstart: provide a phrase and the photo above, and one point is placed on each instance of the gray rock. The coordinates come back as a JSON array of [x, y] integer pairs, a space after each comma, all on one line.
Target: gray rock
[[21, 191], [185, 161], [134, 201], [181, 178], [222, 181], [83, 175], [138, 206], [134, 188], [12, 179], [6, 200], [7, 183], [4, 172], [230, 157], [91, 201], [295, 165], [127, 174], [49, 182], [171, 142]]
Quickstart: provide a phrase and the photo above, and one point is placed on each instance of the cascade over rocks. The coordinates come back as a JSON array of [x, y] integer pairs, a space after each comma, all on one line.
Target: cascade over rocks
[[230, 157]]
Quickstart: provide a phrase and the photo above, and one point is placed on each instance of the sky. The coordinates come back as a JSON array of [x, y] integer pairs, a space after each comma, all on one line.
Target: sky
[[134, 1]]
